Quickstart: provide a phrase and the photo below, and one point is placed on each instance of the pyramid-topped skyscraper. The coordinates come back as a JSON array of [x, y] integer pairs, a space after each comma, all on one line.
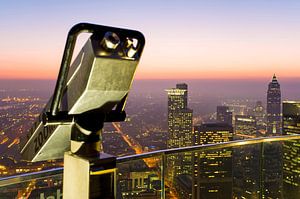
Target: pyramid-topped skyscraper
[[274, 108]]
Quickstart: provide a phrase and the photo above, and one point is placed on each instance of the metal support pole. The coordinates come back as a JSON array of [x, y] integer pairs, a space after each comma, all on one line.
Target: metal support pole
[[88, 173], [88, 178]]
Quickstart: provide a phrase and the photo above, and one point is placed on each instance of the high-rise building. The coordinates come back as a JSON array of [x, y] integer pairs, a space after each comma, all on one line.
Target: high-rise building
[[271, 164], [179, 117], [180, 129], [183, 86], [245, 126], [246, 171], [212, 176], [224, 115], [291, 150], [274, 108]]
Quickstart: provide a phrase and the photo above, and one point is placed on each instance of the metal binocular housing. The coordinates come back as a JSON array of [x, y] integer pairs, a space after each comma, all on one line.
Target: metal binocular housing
[[90, 91]]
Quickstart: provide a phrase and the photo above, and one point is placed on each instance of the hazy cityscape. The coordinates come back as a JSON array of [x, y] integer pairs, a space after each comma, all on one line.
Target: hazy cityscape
[[213, 111], [170, 114]]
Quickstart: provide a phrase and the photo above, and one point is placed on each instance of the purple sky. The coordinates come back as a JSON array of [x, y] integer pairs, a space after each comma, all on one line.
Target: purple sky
[[184, 39]]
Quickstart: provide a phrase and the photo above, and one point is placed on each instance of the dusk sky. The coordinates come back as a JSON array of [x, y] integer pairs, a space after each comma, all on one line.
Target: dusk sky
[[184, 39]]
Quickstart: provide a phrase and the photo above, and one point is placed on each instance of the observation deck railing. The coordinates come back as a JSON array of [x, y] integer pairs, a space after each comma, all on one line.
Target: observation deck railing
[[265, 167]]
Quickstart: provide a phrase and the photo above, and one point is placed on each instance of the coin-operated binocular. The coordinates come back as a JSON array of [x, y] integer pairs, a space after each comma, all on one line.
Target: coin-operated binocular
[[91, 91]]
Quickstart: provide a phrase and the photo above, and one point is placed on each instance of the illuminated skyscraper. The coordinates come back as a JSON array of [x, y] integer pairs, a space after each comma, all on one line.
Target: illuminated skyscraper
[[184, 87], [291, 150], [179, 117], [271, 165], [246, 171], [180, 128], [224, 115], [246, 161], [274, 108], [212, 169]]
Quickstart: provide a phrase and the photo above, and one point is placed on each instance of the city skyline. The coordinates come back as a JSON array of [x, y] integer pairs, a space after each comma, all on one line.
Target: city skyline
[[241, 171], [198, 40], [217, 79]]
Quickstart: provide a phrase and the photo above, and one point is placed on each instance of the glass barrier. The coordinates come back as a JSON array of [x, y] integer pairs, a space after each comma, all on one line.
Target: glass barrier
[[259, 170], [39, 185], [254, 168], [140, 178]]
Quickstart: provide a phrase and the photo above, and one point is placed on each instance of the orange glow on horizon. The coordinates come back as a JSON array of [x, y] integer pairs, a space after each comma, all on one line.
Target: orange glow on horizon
[[29, 73], [51, 74], [201, 74], [45, 65]]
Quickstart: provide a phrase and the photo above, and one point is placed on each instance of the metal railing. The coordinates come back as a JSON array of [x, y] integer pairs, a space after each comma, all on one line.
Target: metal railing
[[6, 181], [160, 169], [207, 147]]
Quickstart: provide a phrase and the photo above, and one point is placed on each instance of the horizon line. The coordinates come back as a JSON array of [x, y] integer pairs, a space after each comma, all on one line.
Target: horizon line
[[162, 79]]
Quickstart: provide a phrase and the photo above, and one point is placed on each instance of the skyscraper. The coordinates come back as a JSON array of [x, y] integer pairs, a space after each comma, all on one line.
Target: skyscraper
[[224, 115], [246, 171], [180, 129], [179, 117], [184, 87], [212, 176], [291, 150], [271, 174], [274, 108]]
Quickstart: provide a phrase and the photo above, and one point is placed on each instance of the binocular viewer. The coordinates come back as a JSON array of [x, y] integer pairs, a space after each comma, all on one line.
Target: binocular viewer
[[90, 91]]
